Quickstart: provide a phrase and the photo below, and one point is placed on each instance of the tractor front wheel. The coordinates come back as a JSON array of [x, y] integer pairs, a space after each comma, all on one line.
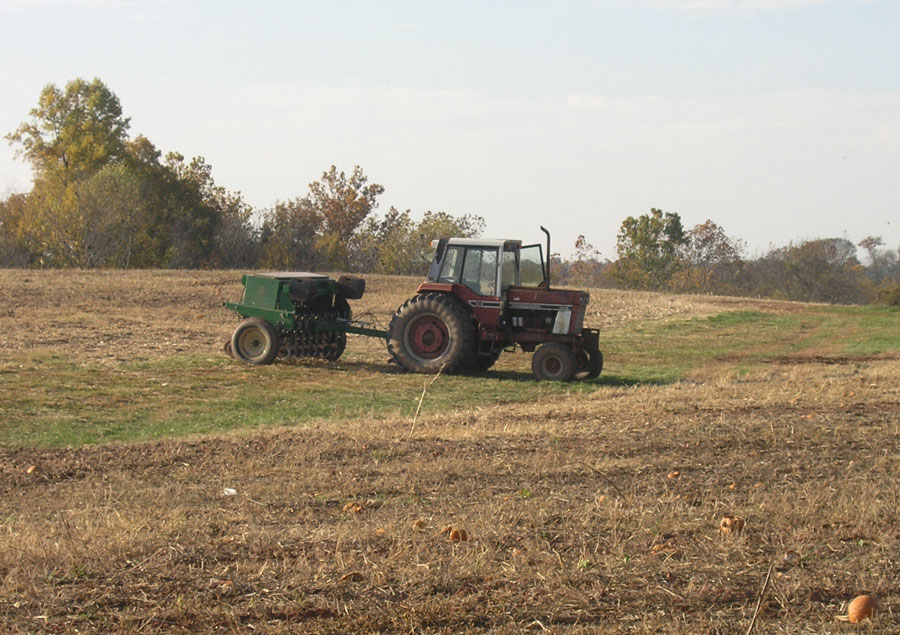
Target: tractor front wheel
[[255, 341], [596, 363], [430, 332], [553, 362]]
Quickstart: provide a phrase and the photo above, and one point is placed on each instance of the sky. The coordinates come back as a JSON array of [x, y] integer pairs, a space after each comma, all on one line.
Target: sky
[[777, 119]]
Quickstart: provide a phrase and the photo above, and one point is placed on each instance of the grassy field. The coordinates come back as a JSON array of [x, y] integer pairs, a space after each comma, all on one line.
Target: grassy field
[[589, 506]]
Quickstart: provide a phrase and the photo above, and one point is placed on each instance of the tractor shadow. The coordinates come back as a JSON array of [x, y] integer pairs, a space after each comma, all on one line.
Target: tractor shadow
[[344, 366], [613, 381], [522, 377]]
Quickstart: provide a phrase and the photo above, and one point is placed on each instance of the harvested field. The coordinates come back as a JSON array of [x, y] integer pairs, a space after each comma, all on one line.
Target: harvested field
[[592, 507], [151, 314]]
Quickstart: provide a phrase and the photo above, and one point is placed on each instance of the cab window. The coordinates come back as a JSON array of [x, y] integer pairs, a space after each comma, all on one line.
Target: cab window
[[510, 269], [480, 270], [532, 266], [452, 262]]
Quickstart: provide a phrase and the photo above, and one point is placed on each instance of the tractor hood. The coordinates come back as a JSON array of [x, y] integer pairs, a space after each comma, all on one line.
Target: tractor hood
[[539, 295]]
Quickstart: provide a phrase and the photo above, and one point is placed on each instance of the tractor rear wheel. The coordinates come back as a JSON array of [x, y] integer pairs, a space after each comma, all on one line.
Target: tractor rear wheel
[[553, 362], [431, 331], [255, 341]]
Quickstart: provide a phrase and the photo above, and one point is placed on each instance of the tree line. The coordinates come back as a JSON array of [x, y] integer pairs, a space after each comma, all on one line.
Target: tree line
[[656, 253], [101, 198]]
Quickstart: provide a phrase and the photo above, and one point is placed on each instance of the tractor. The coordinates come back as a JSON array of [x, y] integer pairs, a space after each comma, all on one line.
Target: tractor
[[480, 297]]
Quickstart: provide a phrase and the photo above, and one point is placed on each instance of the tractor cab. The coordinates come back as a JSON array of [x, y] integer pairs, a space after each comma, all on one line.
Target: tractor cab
[[506, 285], [486, 266]]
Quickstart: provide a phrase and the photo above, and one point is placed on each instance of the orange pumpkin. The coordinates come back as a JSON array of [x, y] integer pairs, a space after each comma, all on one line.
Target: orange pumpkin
[[731, 525], [861, 607]]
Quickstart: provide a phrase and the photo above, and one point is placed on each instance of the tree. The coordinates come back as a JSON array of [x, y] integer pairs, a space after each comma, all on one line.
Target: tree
[[342, 203], [45, 223], [73, 132], [235, 241], [200, 222], [90, 223], [883, 270], [711, 261], [191, 212], [443, 225], [288, 235], [823, 270], [72, 136], [15, 250], [101, 199], [586, 269], [396, 244], [333, 228], [386, 245], [648, 249], [414, 246], [108, 213], [883, 263]]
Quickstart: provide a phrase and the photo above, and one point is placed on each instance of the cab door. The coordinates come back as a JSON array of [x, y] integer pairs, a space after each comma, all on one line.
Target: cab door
[[479, 271]]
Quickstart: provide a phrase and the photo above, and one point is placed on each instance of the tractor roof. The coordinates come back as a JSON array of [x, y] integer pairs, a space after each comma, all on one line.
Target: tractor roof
[[482, 242]]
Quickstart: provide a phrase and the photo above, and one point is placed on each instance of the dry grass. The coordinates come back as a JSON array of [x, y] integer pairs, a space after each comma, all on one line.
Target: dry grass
[[574, 522], [123, 315]]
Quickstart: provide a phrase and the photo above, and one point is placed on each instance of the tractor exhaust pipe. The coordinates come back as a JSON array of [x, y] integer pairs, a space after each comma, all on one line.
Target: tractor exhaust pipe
[[547, 272]]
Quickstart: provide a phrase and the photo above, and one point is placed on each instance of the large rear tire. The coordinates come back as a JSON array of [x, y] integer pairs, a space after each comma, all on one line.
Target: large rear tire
[[431, 331], [255, 341], [553, 362]]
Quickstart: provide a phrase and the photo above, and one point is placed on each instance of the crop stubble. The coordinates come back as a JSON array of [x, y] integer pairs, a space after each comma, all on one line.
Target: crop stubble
[[573, 520]]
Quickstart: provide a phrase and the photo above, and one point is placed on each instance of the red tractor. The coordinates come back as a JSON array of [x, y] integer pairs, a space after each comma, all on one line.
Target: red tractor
[[480, 298], [484, 296]]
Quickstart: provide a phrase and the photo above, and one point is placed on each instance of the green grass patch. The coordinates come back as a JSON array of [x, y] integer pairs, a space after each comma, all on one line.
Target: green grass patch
[[60, 403], [735, 318], [872, 329], [667, 351], [47, 400]]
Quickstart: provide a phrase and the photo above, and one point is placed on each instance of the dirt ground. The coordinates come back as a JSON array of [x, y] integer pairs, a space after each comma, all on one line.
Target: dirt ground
[[592, 513]]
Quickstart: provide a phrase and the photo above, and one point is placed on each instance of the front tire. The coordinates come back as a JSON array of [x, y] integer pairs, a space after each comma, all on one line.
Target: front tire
[[553, 362], [596, 363], [255, 341], [430, 332]]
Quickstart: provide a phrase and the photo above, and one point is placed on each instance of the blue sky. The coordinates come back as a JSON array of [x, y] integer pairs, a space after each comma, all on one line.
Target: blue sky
[[777, 119]]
